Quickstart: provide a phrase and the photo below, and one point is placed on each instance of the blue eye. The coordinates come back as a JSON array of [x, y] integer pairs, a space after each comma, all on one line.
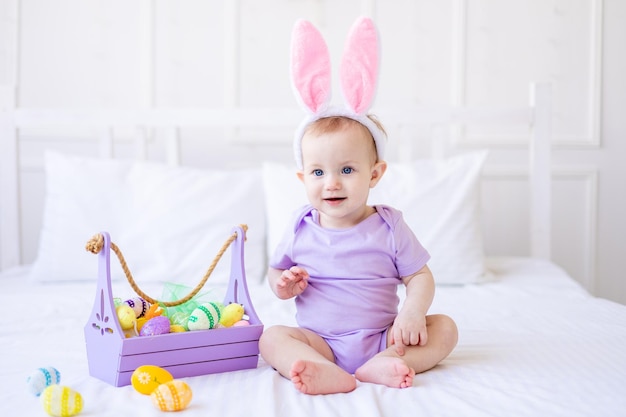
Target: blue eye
[[346, 170], [318, 172]]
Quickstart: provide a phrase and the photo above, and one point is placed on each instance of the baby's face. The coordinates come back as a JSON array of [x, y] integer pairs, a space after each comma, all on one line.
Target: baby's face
[[339, 168]]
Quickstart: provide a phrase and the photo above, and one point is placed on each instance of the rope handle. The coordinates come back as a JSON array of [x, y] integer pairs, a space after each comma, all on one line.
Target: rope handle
[[96, 243]]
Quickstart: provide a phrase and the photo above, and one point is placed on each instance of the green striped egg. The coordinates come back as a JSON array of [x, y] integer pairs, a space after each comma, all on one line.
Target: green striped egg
[[205, 316]]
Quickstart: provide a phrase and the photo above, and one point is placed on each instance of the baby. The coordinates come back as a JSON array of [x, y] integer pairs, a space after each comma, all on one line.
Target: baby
[[343, 259]]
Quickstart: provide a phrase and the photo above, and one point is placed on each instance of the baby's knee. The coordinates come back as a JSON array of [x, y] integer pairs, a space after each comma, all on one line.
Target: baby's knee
[[447, 328], [277, 335], [269, 337]]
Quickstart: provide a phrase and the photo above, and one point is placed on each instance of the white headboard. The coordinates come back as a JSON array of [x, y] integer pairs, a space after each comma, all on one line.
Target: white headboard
[[536, 117]]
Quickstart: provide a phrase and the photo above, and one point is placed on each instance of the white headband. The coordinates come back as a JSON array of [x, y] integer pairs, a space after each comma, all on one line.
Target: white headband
[[311, 78]]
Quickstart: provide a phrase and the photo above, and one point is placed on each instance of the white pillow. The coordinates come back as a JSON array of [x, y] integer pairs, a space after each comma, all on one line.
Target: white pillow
[[169, 222], [439, 198]]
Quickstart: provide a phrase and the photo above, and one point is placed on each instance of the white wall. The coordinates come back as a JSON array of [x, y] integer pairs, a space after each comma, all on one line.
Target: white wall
[[197, 53]]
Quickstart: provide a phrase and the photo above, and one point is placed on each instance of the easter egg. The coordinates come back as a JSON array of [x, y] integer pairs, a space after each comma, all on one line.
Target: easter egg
[[177, 328], [42, 378], [180, 318], [241, 323], [139, 306], [172, 396], [60, 401], [126, 316], [155, 326], [147, 378], [140, 322], [231, 314], [205, 316]]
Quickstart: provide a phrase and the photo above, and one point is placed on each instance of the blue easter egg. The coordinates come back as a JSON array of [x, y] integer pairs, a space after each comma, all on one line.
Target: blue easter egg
[[42, 378]]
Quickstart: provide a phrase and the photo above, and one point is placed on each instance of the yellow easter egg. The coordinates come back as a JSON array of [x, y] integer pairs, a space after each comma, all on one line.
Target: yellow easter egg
[[60, 401], [172, 396], [231, 314], [126, 316], [177, 328], [140, 322], [146, 378]]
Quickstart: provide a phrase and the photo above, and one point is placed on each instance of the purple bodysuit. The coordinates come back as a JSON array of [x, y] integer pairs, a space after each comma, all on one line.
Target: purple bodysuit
[[351, 299]]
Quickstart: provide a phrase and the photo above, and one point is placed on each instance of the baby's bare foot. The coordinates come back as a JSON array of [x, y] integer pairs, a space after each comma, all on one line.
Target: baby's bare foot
[[320, 378], [386, 370]]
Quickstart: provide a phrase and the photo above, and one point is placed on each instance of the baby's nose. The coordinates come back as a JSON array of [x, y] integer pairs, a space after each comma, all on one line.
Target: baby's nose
[[332, 182]]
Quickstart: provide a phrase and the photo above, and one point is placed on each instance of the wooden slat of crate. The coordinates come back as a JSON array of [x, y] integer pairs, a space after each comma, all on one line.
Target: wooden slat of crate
[[189, 355]]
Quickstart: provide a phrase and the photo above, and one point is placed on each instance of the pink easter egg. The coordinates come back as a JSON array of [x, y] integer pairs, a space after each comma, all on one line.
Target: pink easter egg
[[241, 323], [155, 326]]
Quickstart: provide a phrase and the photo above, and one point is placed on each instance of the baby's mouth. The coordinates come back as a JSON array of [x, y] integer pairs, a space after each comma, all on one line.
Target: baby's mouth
[[334, 199]]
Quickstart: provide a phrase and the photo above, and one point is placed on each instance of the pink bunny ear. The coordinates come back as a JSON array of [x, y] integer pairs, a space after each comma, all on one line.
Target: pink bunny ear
[[310, 66], [359, 65]]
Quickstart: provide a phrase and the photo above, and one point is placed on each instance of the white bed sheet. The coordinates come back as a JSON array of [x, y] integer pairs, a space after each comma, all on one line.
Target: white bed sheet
[[532, 343]]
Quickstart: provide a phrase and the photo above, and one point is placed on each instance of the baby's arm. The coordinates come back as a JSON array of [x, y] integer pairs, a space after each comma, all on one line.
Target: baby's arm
[[288, 283], [409, 328]]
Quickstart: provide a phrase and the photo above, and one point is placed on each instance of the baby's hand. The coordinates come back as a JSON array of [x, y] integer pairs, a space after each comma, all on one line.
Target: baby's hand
[[409, 329], [292, 282]]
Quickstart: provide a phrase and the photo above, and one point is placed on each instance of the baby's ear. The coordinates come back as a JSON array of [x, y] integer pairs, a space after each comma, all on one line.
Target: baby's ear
[[300, 175], [377, 172]]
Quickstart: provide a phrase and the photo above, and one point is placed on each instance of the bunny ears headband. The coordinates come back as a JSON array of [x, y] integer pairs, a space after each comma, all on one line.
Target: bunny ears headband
[[311, 77]]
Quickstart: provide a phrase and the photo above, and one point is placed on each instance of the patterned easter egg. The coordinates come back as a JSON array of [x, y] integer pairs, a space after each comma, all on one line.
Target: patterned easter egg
[[172, 396], [206, 316], [60, 401], [42, 378], [139, 306], [155, 326], [147, 378]]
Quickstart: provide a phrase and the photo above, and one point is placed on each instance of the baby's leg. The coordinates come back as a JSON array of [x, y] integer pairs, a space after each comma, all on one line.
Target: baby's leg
[[390, 369], [306, 359]]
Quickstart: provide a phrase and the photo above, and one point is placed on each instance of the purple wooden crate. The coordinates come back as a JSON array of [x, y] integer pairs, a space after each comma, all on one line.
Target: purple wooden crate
[[113, 358]]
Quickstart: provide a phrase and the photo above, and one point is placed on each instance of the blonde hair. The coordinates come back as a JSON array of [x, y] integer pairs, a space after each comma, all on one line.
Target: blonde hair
[[338, 123]]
